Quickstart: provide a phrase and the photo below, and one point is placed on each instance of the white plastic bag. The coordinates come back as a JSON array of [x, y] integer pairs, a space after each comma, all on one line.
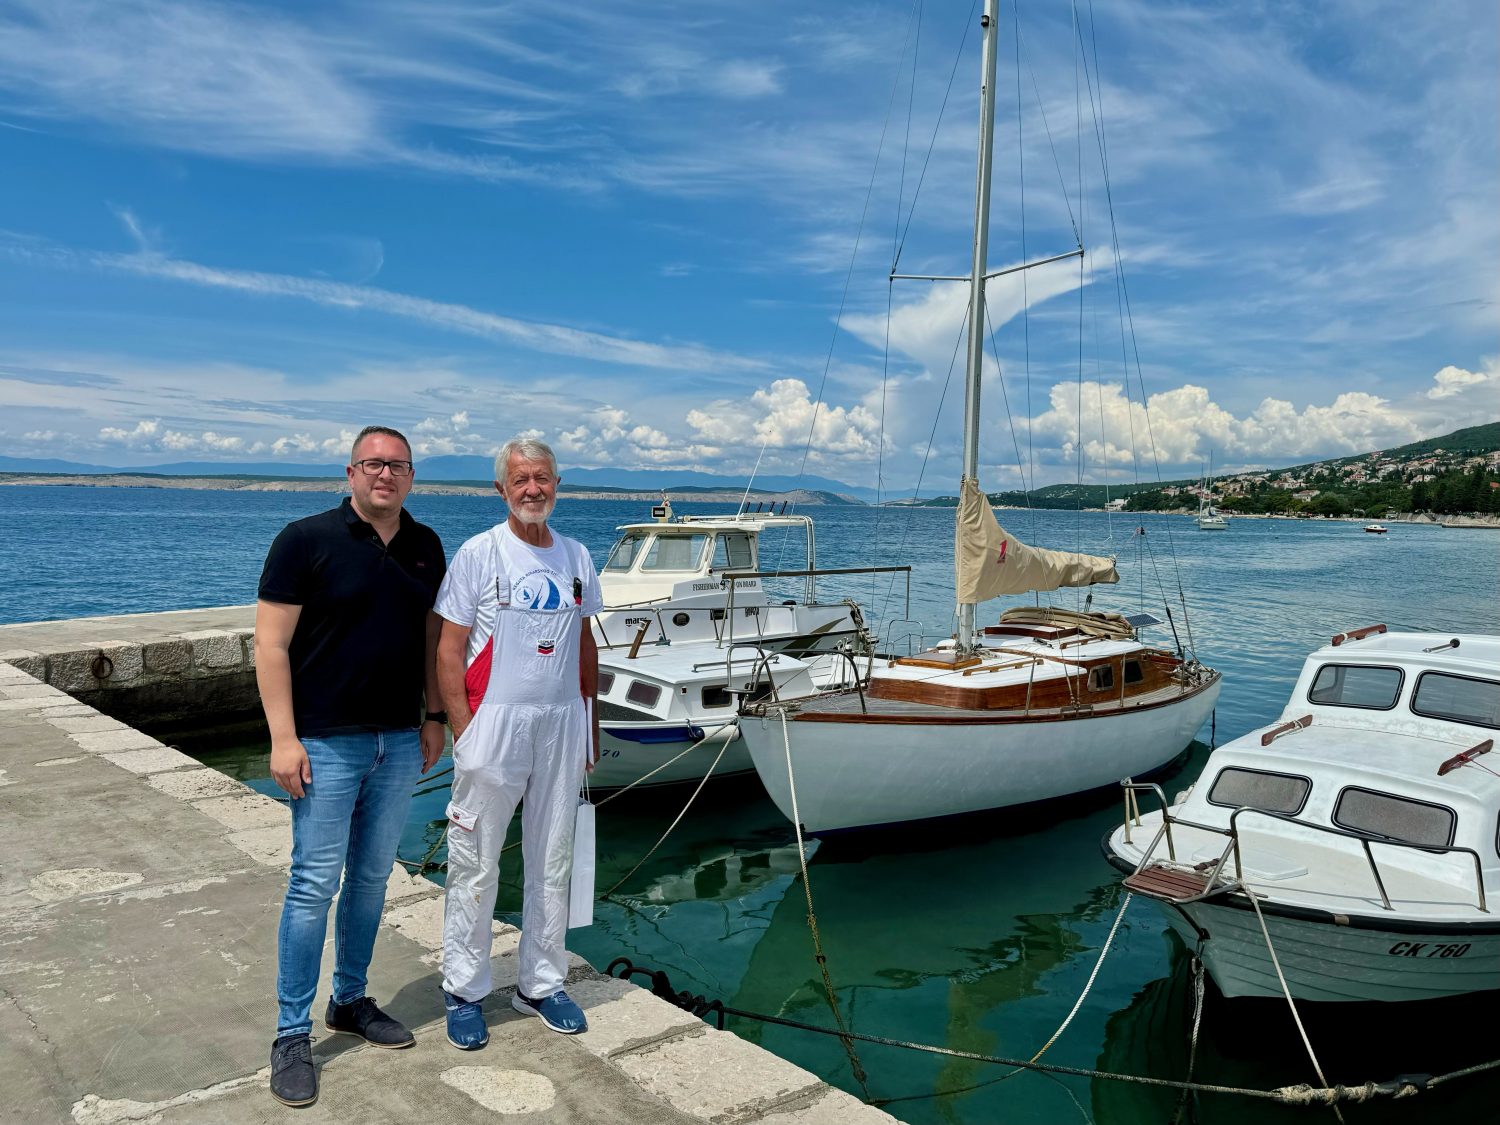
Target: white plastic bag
[[581, 889]]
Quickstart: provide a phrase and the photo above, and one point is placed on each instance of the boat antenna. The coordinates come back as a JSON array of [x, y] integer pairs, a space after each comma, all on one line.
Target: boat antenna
[[746, 497]]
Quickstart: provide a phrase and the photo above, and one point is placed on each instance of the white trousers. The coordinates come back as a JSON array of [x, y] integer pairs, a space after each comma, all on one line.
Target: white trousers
[[509, 752]]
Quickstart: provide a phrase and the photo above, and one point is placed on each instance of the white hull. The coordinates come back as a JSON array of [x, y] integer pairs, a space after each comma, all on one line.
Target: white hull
[[855, 774], [623, 761], [1327, 962], [1360, 822]]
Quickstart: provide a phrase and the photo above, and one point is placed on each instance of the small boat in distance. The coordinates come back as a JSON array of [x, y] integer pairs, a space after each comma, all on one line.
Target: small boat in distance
[[1355, 836], [1376, 528], [1209, 518]]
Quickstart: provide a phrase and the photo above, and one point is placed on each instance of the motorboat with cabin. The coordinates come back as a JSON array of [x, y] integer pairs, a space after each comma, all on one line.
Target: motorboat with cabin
[[1357, 837], [667, 582], [690, 630]]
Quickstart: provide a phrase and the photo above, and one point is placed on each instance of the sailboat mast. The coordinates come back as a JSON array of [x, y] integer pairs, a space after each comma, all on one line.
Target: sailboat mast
[[974, 367]]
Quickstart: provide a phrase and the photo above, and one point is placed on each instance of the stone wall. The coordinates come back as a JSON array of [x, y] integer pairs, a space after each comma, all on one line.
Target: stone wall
[[145, 669]]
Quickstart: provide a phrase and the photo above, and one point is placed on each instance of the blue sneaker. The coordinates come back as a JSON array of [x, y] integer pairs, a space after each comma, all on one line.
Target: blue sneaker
[[557, 1011], [466, 1029]]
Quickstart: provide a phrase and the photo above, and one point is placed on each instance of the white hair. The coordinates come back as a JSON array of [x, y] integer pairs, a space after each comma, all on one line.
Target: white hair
[[529, 449]]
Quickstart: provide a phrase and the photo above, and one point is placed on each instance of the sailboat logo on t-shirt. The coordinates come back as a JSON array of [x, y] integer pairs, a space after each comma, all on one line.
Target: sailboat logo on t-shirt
[[538, 592]]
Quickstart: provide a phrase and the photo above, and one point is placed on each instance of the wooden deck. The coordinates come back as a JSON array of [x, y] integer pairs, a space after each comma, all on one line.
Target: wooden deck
[[849, 707], [1172, 884]]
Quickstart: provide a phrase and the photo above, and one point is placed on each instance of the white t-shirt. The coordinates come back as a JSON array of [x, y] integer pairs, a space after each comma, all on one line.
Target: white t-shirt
[[524, 607]]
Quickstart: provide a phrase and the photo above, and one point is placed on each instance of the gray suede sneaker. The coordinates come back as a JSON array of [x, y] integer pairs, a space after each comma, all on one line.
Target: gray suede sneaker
[[294, 1080], [361, 1017]]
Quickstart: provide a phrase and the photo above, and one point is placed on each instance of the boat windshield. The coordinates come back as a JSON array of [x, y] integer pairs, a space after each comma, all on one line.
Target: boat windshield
[[1459, 698], [675, 552], [625, 552], [1356, 685]]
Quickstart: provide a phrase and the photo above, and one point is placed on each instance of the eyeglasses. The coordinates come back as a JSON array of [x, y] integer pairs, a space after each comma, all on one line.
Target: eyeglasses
[[373, 466]]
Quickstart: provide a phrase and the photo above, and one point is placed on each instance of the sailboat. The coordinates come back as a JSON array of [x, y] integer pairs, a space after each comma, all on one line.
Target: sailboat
[[1209, 517], [1044, 703]]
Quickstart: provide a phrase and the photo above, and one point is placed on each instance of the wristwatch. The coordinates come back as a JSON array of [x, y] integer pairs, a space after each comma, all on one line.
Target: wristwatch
[[436, 717]]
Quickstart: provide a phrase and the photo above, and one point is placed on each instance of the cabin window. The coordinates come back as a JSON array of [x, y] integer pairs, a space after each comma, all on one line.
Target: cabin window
[[756, 690], [1356, 685], [732, 552], [717, 695], [1260, 789], [643, 693], [1394, 818], [606, 681], [675, 552], [1133, 673], [1459, 698], [625, 552], [1102, 678]]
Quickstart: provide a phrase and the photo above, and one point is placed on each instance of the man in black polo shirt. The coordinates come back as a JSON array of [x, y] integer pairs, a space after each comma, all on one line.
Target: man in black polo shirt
[[345, 645]]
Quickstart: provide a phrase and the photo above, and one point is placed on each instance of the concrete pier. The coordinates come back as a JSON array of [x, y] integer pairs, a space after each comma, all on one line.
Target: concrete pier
[[145, 668], [139, 901]]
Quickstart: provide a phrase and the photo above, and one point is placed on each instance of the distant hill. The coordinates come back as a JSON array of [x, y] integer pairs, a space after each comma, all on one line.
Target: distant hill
[[637, 480], [463, 470], [479, 470], [1469, 441], [279, 470]]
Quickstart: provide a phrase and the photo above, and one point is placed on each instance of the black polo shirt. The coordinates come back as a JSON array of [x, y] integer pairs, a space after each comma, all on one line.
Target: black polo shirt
[[358, 652]]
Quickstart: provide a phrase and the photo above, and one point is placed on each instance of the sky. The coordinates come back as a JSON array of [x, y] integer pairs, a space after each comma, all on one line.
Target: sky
[[659, 235]]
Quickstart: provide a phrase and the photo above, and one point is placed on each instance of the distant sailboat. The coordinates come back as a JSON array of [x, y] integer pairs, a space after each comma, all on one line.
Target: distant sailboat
[[1209, 517]]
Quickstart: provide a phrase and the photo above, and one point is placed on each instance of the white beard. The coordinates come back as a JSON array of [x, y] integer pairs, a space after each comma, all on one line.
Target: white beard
[[532, 517]]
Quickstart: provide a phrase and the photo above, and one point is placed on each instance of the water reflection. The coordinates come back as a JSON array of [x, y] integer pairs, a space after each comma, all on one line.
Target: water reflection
[[1253, 1044], [977, 934]]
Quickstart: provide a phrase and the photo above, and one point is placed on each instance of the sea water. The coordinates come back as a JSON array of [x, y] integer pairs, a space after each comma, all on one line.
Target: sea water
[[977, 935]]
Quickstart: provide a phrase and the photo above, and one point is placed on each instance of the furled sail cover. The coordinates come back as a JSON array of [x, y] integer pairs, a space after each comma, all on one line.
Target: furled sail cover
[[991, 562]]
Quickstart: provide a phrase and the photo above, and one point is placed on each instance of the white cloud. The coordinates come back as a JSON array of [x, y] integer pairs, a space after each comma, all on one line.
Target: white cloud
[[740, 78], [783, 417], [550, 338], [290, 445], [1186, 426], [1455, 380], [449, 436], [144, 435], [149, 435], [204, 76], [609, 437]]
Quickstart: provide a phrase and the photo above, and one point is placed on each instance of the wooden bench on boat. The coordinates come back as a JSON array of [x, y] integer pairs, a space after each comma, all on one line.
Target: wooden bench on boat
[[1172, 884]]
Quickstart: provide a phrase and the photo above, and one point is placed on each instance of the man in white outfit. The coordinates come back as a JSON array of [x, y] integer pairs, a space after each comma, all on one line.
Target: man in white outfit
[[518, 670]]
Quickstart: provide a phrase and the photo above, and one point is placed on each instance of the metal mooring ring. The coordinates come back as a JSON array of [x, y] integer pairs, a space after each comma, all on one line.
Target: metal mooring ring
[[103, 667]]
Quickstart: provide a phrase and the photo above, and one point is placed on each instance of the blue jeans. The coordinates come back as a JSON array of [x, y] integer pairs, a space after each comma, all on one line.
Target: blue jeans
[[348, 824]]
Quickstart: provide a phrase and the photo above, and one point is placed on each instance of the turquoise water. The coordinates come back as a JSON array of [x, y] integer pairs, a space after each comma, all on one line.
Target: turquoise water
[[977, 935]]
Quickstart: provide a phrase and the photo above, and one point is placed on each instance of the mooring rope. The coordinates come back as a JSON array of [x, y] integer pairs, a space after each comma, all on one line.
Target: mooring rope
[[812, 920], [1088, 986], [1300, 1094], [1287, 992], [1198, 993], [419, 869], [679, 816]]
